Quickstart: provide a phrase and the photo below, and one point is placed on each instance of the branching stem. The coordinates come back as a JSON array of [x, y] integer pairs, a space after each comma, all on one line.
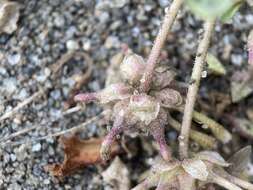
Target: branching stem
[[193, 89], [169, 19]]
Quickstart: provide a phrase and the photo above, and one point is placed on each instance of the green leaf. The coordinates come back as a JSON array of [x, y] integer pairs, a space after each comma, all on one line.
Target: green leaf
[[214, 65], [209, 9], [231, 11]]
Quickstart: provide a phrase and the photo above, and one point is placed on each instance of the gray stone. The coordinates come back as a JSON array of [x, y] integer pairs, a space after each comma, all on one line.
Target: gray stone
[[14, 59], [72, 45], [36, 147], [237, 59]]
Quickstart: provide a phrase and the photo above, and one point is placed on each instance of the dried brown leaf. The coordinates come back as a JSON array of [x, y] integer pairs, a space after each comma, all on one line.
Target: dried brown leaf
[[78, 154], [239, 161]]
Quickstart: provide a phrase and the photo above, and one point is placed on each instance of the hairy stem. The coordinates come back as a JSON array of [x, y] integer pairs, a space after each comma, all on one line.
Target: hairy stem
[[169, 19], [202, 139], [217, 129], [240, 182], [224, 183], [193, 89]]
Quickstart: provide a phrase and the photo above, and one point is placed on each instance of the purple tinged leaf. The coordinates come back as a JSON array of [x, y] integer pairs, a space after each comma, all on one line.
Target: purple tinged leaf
[[169, 97], [163, 76]]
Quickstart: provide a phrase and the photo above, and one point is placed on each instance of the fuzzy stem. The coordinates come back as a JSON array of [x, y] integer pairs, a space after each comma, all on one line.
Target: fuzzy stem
[[202, 139], [157, 132], [240, 182], [86, 97], [117, 128], [193, 89], [217, 129], [224, 183], [159, 42]]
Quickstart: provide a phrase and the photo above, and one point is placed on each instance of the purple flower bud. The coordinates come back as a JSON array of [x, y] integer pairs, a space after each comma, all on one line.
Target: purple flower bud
[[132, 68]]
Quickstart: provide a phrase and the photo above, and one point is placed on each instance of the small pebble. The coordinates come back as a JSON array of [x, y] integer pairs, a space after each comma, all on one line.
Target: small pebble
[[13, 157], [112, 42], [164, 3], [46, 181], [14, 59], [237, 59], [36, 147], [72, 45]]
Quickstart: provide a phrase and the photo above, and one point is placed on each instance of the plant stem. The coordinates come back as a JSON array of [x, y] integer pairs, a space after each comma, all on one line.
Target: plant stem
[[224, 183], [202, 139], [217, 129], [169, 19], [193, 89], [240, 182]]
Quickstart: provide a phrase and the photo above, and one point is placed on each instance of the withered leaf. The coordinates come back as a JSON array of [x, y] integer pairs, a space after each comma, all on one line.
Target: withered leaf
[[212, 157], [117, 175], [78, 154], [239, 161], [241, 85], [240, 91]]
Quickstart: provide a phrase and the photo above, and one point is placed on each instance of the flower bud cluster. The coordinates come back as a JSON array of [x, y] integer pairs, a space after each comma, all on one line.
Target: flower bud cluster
[[132, 109]]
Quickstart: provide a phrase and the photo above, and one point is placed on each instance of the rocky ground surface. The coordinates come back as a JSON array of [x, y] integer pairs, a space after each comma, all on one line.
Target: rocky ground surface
[[47, 29]]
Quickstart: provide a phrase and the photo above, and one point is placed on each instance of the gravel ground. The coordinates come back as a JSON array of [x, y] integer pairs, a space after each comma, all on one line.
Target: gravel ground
[[49, 28]]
